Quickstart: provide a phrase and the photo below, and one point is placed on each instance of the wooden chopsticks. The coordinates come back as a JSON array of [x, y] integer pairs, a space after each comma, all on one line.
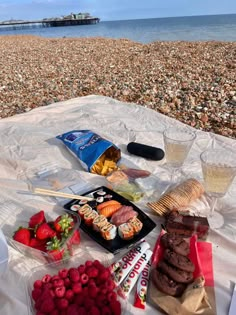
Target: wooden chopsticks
[[53, 193]]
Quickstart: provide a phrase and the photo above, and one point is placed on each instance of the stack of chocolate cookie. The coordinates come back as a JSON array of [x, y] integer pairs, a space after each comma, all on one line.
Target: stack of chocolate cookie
[[175, 271]]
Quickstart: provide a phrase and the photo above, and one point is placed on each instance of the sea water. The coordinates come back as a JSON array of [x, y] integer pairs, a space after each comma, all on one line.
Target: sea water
[[192, 28]]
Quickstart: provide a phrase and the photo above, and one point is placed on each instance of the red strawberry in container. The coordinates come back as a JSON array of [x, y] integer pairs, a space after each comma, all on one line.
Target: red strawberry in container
[[37, 219], [64, 224], [22, 235], [55, 249], [44, 231], [38, 244]]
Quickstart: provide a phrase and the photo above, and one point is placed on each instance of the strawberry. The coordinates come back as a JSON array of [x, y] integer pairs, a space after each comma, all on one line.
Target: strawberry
[[56, 254], [75, 238], [44, 231], [38, 244], [37, 219], [64, 223], [22, 235]]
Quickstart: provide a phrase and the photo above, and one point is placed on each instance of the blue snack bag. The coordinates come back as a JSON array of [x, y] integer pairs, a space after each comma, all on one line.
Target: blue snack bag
[[96, 154]]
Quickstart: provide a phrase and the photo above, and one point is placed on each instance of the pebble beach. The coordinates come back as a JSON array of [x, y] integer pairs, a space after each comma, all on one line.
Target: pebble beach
[[193, 82]]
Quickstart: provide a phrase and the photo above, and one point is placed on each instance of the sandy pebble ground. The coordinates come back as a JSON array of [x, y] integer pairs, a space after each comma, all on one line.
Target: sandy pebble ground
[[194, 82]]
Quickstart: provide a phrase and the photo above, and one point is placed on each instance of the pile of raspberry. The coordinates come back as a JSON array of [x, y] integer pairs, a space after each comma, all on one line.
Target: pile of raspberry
[[85, 290]]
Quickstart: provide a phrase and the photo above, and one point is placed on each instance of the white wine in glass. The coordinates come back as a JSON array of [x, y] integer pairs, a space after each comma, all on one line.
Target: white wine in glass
[[219, 170], [178, 143]]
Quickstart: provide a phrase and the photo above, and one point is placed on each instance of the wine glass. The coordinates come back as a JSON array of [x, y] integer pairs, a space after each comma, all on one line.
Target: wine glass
[[178, 143], [219, 170]]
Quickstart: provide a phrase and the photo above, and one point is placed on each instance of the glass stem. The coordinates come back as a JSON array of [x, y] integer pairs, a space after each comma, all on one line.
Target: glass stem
[[173, 174], [214, 200]]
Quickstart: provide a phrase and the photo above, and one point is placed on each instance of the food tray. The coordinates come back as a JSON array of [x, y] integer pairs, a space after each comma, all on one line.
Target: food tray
[[117, 244]]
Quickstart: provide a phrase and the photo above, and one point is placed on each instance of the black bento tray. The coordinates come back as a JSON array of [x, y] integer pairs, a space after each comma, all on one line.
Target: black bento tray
[[117, 244]]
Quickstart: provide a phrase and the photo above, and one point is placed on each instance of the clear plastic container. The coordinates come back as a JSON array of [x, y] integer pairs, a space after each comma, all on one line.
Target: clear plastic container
[[19, 215], [51, 176], [52, 269], [3, 254]]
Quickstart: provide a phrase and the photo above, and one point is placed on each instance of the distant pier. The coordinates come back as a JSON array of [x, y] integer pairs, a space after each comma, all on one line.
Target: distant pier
[[50, 22]]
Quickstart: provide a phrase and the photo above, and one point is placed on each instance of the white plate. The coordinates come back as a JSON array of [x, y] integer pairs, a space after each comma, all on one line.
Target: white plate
[[3, 253]]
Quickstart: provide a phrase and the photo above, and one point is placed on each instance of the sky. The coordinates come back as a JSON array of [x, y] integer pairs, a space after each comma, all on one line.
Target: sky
[[108, 10]]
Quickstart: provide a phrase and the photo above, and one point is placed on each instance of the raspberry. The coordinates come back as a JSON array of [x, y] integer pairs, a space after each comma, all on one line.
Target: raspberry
[[82, 311], [67, 282], [91, 282], [38, 284], [88, 303], [58, 283], [69, 295], [47, 286], [60, 291], [47, 305], [79, 300], [72, 309], [52, 293], [74, 274], [61, 303], [81, 269], [85, 291], [106, 310], [46, 278], [111, 296], [40, 313], [88, 263], [92, 272], [77, 287], [84, 278], [103, 289], [36, 293], [92, 291], [63, 273], [55, 312], [56, 277], [97, 264], [101, 300], [104, 275], [94, 311], [110, 285], [115, 307]]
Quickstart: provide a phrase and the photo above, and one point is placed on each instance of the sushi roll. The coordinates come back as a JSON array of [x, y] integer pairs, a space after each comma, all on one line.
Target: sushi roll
[[89, 217], [100, 199], [109, 231], [84, 209], [83, 202], [136, 224], [126, 231], [99, 222], [101, 193], [75, 208]]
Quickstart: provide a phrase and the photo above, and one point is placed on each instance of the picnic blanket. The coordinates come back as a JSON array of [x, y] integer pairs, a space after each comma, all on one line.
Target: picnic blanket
[[28, 141]]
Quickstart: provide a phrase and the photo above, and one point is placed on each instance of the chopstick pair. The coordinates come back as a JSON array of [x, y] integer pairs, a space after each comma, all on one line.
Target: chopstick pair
[[53, 193]]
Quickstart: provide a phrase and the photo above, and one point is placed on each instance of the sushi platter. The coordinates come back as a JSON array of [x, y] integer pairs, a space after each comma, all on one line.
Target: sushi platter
[[110, 219]]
